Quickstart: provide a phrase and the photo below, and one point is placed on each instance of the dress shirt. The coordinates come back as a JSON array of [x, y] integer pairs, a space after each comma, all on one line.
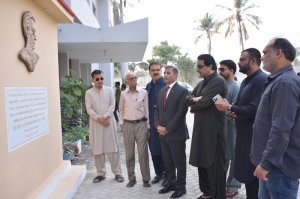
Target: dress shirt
[[170, 87], [134, 105], [276, 131]]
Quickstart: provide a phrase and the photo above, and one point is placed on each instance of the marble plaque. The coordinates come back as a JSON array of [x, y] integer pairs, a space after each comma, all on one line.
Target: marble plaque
[[26, 114]]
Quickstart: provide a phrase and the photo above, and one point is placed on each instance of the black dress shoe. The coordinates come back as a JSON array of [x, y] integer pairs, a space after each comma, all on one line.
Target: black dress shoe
[[156, 179], [178, 193], [98, 179], [131, 183], [166, 189], [146, 184]]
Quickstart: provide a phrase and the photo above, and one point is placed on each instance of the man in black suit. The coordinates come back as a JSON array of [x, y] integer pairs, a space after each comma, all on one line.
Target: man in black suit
[[171, 125]]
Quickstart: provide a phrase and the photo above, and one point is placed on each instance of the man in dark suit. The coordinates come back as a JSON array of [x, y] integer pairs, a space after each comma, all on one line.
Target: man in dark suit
[[171, 125]]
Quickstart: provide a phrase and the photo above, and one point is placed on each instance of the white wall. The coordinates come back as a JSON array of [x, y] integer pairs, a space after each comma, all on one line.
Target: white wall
[[84, 12]]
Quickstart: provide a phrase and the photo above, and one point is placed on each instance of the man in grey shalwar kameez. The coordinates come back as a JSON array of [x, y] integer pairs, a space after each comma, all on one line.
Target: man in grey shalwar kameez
[[227, 70], [100, 104]]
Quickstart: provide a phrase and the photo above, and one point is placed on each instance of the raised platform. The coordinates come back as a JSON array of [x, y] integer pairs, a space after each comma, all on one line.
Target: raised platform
[[63, 183]]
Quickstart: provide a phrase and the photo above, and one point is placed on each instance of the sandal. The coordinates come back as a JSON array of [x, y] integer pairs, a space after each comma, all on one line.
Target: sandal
[[98, 179], [119, 178]]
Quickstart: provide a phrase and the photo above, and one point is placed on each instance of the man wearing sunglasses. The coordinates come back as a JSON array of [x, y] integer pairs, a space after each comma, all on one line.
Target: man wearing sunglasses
[[208, 142], [103, 137], [227, 70]]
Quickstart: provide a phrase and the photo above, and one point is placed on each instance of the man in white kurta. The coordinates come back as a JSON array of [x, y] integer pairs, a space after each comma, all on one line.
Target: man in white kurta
[[103, 137]]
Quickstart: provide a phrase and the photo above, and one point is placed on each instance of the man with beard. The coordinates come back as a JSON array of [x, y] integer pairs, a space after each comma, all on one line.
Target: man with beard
[[276, 131], [153, 88], [227, 70], [209, 137], [244, 110]]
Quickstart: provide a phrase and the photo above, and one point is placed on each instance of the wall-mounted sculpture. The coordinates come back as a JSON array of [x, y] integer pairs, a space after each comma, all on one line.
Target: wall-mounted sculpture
[[27, 55]]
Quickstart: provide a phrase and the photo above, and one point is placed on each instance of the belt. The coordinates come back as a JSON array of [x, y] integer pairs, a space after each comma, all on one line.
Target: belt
[[136, 121]]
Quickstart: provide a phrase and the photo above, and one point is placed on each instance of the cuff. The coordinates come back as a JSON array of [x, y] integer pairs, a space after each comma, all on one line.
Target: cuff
[[266, 165]]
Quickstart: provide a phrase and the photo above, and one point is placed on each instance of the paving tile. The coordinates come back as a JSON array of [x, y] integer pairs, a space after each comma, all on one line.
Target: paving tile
[[110, 189]]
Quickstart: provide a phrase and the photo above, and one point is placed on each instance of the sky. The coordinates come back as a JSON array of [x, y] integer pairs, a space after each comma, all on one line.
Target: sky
[[174, 21]]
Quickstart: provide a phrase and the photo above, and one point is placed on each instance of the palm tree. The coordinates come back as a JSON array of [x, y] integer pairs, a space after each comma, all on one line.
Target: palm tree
[[209, 26], [238, 16], [118, 10]]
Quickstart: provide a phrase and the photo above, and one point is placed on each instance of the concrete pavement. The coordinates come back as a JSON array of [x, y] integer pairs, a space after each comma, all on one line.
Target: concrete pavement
[[110, 189]]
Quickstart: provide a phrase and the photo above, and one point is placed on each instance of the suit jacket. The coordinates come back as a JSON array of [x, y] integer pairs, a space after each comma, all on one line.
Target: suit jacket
[[173, 115]]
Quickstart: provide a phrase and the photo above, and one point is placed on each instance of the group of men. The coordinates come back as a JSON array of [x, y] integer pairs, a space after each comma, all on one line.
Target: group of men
[[252, 133]]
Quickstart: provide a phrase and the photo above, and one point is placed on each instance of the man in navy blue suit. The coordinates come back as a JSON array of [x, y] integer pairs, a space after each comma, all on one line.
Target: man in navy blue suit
[[170, 119], [153, 87]]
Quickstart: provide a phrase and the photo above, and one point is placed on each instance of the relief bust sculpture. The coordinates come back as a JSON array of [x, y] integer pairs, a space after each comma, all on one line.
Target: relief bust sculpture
[[27, 55]]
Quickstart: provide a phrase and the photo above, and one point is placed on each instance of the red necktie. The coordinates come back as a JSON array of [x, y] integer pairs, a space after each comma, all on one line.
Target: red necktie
[[165, 95]]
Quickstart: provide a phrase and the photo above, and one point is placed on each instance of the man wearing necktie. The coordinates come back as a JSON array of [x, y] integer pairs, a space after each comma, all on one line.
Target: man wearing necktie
[[170, 120]]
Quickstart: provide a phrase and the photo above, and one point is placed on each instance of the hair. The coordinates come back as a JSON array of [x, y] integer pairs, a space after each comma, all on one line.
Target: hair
[[117, 83], [123, 86], [175, 70], [154, 63], [230, 64], [287, 48], [127, 74], [96, 72], [253, 54], [208, 60]]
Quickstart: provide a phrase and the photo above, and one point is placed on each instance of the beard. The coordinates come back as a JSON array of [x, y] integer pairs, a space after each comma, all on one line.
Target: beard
[[244, 69]]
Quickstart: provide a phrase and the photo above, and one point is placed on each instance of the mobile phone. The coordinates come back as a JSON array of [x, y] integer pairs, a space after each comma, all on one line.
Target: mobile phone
[[217, 98]]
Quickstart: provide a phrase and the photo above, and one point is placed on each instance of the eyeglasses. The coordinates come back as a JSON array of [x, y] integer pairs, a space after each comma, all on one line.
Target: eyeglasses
[[97, 79], [132, 78], [222, 69], [200, 66]]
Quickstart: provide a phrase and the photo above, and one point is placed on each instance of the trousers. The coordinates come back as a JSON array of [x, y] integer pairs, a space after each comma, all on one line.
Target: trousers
[[136, 133]]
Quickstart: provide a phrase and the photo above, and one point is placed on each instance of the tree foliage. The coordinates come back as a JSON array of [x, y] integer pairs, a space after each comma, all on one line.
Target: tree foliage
[[186, 67], [164, 53], [209, 26], [297, 60], [72, 102], [238, 16]]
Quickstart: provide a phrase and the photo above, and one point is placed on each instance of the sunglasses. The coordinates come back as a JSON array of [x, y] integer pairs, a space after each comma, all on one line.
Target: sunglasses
[[97, 79], [200, 66], [222, 69]]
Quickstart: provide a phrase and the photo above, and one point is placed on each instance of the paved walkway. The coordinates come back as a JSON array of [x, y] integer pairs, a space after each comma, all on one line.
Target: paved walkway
[[110, 189]]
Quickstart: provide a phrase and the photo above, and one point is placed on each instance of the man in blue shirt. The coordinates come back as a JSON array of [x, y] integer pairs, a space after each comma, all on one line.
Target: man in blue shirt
[[152, 88], [275, 147]]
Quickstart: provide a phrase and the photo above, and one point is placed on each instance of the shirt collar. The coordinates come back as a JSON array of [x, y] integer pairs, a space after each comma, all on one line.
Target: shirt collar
[[214, 74], [280, 71], [253, 74], [171, 85], [129, 91], [159, 81]]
